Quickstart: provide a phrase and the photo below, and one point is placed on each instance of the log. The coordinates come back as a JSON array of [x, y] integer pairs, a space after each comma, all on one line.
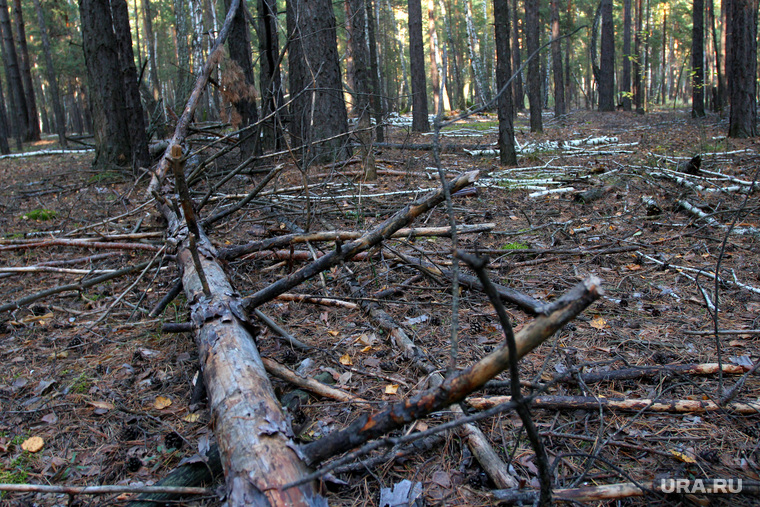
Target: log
[[650, 371], [623, 404], [455, 388], [369, 239]]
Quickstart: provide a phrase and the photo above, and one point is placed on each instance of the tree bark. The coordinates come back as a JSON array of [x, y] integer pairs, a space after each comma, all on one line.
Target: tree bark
[[183, 84], [559, 81], [638, 63], [4, 132], [607, 60], [60, 120], [33, 134], [507, 153], [517, 86], [138, 139], [420, 122], [271, 79], [150, 46], [15, 86], [534, 70], [358, 16], [242, 88], [625, 86], [743, 64], [433, 54], [697, 60], [482, 89], [318, 108], [101, 53], [374, 69]]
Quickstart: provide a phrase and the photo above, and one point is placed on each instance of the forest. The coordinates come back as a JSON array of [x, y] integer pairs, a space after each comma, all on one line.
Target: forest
[[297, 252]]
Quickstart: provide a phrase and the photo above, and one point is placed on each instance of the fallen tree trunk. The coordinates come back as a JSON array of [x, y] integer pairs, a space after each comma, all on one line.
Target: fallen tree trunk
[[455, 388]]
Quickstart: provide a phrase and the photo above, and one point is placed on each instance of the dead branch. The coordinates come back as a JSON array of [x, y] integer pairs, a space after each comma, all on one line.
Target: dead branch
[[365, 242], [587, 494], [74, 286], [280, 331], [626, 405], [524, 301], [316, 300], [309, 384], [458, 386], [650, 371], [81, 243], [104, 490], [280, 241]]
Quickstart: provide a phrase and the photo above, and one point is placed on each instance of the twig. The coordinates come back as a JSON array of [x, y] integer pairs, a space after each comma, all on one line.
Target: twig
[[81, 243], [168, 298], [280, 331], [104, 490]]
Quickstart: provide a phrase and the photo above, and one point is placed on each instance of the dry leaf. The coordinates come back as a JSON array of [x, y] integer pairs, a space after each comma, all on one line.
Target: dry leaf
[[367, 349], [104, 405], [682, 456], [333, 333], [598, 323], [633, 267], [391, 389], [345, 360], [192, 418], [33, 444], [162, 402]]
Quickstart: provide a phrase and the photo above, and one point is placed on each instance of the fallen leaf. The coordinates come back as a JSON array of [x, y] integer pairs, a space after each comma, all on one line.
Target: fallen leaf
[[345, 360], [105, 405], [682, 456], [192, 418], [598, 323], [367, 349], [333, 333], [33, 444], [391, 389], [162, 402]]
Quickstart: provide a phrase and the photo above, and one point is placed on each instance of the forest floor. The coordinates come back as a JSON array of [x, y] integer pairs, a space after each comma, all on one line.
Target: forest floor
[[110, 394]]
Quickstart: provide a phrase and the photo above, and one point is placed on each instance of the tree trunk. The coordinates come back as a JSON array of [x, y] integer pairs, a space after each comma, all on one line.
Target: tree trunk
[[481, 84], [374, 69], [420, 122], [507, 154], [318, 108], [60, 120], [4, 133], [16, 87], [404, 94], [134, 111], [434, 74], [242, 88], [455, 89], [742, 83], [697, 59], [534, 67], [358, 17], [517, 84], [559, 81], [638, 85], [149, 44], [33, 134], [719, 99], [607, 60], [271, 79], [625, 86], [101, 54], [183, 83]]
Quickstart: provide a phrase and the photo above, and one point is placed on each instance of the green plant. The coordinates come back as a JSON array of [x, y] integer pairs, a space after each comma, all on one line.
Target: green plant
[[516, 245], [81, 384], [40, 214]]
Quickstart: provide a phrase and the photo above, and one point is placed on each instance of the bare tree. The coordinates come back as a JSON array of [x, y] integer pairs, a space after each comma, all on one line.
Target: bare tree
[[625, 86], [16, 87], [742, 48], [60, 120], [507, 154], [271, 78], [33, 134]]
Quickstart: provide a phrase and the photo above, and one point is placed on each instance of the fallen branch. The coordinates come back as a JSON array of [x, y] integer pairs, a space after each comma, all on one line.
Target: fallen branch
[[650, 371], [623, 404], [587, 494], [281, 241], [309, 384], [81, 243], [316, 300], [104, 490], [458, 386], [471, 282], [365, 242]]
